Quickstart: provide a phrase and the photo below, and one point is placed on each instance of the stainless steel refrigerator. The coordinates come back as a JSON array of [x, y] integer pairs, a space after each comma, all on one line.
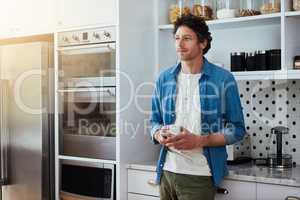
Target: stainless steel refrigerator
[[27, 131]]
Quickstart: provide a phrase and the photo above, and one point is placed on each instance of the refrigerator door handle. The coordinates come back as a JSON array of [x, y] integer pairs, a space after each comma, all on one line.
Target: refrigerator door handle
[[3, 160], [3, 131]]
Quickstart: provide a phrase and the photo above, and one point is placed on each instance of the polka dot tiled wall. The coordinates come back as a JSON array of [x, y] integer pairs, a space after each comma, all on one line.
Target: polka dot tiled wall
[[269, 103]]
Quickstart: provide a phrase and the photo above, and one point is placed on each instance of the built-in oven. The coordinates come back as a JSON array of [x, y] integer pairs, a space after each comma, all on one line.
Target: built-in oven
[[87, 93], [87, 180], [87, 122], [87, 56]]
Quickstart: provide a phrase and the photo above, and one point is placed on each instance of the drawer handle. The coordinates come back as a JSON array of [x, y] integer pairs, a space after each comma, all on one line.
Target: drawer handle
[[151, 182], [222, 190]]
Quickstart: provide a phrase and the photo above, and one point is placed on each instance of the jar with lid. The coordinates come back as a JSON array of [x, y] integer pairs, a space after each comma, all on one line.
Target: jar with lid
[[274, 59], [249, 8], [203, 8], [270, 6], [176, 10], [261, 60], [237, 61], [296, 5], [227, 8], [250, 62]]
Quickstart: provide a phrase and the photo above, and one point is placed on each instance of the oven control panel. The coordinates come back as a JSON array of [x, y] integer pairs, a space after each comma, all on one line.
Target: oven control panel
[[87, 36]]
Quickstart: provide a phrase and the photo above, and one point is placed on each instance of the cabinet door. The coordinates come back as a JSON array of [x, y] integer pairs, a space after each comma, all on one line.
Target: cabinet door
[[30, 17], [142, 182], [276, 192], [238, 190], [75, 13], [141, 197]]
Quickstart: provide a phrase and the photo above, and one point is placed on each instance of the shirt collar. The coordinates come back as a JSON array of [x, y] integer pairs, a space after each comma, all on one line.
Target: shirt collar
[[206, 69]]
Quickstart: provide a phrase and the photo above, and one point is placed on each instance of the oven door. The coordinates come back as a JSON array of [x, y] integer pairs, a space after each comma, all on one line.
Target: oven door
[[87, 122], [94, 64], [87, 180]]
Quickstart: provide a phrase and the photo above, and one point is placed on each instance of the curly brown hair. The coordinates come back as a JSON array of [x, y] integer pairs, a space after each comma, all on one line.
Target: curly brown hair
[[198, 25]]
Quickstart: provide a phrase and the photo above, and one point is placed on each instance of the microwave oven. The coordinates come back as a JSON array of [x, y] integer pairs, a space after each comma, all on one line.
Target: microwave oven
[[87, 180]]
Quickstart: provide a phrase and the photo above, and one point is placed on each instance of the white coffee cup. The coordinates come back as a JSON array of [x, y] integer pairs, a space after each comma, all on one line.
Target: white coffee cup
[[174, 129]]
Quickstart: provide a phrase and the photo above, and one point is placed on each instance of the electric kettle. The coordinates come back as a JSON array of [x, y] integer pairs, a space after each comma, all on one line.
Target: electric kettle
[[277, 157]]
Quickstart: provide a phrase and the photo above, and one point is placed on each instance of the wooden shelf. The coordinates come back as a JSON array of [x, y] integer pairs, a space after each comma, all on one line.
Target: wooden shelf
[[237, 22]]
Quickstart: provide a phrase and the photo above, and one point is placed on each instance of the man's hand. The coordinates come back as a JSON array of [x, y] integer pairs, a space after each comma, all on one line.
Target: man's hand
[[186, 141], [162, 134]]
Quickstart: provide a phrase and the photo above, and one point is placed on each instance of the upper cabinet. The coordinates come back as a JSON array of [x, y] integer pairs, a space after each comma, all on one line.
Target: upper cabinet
[[30, 17], [79, 13]]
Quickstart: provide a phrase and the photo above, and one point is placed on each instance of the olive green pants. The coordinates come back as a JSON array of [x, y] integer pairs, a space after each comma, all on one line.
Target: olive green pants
[[186, 187]]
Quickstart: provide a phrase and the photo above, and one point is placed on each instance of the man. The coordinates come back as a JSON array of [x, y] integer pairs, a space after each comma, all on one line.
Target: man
[[196, 111]]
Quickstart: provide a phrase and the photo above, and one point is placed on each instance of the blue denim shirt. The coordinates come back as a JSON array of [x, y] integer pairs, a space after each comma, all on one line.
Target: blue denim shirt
[[221, 112]]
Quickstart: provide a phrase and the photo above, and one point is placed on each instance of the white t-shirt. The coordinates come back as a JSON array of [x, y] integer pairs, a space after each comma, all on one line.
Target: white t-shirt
[[188, 115]]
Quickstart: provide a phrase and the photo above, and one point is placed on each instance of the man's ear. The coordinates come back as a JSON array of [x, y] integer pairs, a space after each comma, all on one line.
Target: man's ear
[[203, 44]]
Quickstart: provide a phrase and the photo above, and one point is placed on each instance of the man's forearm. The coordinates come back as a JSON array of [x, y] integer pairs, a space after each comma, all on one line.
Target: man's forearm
[[212, 140]]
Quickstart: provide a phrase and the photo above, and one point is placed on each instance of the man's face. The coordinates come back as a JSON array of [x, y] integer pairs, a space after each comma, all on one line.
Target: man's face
[[187, 45]]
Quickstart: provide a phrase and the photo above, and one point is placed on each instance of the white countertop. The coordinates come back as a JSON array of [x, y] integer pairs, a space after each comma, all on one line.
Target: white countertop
[[246, 172]]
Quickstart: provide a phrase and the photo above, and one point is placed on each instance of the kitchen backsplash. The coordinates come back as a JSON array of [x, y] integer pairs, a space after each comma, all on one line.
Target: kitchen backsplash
[[269, 103]]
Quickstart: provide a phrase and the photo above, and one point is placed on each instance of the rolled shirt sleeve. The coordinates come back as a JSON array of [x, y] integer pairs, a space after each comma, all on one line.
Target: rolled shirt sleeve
[[234, 129], [156, 120]]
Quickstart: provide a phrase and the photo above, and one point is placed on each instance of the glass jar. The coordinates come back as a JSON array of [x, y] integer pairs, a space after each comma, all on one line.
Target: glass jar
[[227, 8], [203, 8], [181, 7], [249, 7], [270, 6], [296, 5]]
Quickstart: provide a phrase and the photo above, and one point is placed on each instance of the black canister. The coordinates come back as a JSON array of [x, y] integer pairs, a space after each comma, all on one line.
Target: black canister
[[261, 60], [250, 62], [274, 59], [237, 60]]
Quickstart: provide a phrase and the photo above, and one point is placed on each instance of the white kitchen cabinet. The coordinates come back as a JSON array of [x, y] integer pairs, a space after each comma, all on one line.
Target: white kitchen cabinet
[[78, 13], [276, 192], [30, 17], [142, 182], [134, 24], [238, 190], [141, 197]]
